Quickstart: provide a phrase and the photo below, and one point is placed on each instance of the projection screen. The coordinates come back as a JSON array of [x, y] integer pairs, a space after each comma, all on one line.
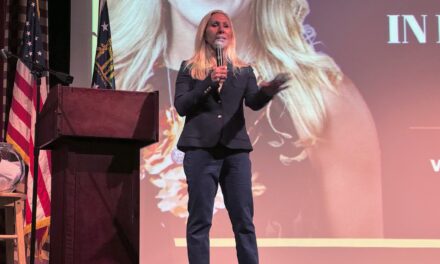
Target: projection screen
[[346, 173]]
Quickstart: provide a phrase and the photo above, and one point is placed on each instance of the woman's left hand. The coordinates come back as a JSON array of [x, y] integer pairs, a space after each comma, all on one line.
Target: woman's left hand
[[278, 84]]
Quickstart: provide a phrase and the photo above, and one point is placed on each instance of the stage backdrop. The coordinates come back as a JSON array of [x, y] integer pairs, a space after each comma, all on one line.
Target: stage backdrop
[[342, 173]]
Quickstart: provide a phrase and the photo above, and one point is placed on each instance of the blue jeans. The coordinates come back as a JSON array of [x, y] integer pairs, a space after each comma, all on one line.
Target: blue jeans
[[205, 168]]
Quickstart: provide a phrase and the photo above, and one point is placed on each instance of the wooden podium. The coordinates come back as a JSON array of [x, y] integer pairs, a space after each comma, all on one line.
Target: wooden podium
[[95, 137]]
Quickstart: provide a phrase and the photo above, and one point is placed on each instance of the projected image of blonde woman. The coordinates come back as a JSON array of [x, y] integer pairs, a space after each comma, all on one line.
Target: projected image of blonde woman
[[316, 164]]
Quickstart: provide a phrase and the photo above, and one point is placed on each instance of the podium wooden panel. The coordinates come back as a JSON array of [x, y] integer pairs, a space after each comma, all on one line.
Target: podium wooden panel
[[95, 137]]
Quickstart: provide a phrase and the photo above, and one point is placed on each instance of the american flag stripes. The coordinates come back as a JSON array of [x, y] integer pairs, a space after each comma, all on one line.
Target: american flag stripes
[[21, 126]]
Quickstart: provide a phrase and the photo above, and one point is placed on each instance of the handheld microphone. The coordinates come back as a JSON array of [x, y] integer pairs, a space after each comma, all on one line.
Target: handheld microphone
[[219, 44], [219, 52]]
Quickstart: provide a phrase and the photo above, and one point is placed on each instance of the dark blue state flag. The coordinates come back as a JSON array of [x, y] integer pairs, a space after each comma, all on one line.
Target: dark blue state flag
[[103, 72]]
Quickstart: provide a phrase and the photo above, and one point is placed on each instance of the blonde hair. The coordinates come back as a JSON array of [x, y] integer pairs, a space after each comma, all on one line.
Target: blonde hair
[[278, 45], [203, 59], [140, 30]]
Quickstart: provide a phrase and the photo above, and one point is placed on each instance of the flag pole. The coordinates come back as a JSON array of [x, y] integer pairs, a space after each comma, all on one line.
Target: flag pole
[[37, 76]]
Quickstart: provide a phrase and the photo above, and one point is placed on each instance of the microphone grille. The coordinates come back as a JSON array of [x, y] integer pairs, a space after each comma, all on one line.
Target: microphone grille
[[219, 43]]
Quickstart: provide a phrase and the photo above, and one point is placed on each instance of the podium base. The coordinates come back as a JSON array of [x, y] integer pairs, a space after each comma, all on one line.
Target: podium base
[[95, 202]]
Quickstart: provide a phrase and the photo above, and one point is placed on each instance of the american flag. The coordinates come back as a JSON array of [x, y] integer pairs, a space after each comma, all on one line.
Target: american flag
[[103, 72], [21, 126]]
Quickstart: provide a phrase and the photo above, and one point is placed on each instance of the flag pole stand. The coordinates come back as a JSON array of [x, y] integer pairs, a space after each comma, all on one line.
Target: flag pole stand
[[37, 72], [37, 76]]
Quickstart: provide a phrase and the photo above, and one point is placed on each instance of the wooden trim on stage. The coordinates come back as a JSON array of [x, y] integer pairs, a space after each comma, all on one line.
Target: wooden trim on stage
[[326, 242]]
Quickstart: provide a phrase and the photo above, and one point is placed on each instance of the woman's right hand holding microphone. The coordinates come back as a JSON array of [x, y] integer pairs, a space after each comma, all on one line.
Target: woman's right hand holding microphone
[[219, 74]]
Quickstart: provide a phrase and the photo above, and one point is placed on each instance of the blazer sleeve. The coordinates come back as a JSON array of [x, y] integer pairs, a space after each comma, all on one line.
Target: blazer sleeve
[[190, 92], [254, 97]]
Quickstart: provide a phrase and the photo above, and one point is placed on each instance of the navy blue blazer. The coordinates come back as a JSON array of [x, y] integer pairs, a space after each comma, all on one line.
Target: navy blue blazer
[[214, 118]]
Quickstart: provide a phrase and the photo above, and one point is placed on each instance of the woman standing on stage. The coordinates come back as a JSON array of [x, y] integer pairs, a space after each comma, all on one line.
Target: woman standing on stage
[[214, 137]]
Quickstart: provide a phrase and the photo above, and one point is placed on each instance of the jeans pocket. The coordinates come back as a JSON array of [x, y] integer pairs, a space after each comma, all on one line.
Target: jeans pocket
[[187, 163]]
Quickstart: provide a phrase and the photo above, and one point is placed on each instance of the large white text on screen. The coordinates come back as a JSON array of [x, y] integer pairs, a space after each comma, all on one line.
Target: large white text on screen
[[435, 165], [418, 27]]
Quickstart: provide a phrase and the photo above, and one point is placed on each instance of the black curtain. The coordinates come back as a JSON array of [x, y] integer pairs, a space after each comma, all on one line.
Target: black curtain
[[59, 37]]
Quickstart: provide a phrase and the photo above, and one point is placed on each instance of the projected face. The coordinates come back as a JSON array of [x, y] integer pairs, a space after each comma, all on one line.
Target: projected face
[[218, 31], [199, 8]]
